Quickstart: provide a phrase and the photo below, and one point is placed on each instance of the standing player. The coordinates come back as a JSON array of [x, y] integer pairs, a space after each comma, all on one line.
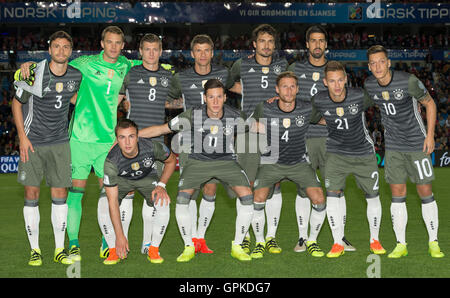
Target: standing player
[[287, 158], [255, 80], [42, 123], [310, 74], [129, 166], [408, 144], [212, 128], [349, 151], [188, 85], [145, 87]]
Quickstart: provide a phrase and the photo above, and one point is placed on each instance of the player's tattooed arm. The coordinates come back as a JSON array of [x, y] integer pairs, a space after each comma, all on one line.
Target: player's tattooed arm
[[155, 131], [175, 104], [430, 106]]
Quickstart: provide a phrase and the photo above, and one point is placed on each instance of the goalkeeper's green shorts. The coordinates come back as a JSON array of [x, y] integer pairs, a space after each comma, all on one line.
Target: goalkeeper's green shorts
[[88, 155]]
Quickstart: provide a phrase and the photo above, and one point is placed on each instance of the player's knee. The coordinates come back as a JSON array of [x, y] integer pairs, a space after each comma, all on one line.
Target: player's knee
[[316, 195], [424, 190], [32, 193], [183, 198], [209, 189], [398, 190]]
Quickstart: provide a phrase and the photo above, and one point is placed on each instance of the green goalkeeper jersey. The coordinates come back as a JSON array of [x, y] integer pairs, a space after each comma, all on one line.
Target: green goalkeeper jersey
[[95, 115]]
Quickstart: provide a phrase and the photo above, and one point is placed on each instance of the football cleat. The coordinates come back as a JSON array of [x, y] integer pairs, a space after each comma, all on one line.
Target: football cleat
[[153, 255], [258, 251], [104, 252], [300, 246], [347, 245], [238, 252], [204, 249], [187, 254], [435, 250], [112, 258], [246, 245], [35, 258], [314, 249], [336, 251], [272, 245], [62, 257], [144, 248], [399, 251], [376, 247], [75, 253]]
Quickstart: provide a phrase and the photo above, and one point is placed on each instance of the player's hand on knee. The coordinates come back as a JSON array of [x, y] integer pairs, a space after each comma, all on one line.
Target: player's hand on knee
[[160, 195]]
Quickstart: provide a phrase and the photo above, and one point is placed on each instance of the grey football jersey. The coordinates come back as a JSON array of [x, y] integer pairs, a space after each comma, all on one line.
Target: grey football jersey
[[289, 129], [404, 129], [147, 92], [346, 122], [46, 117], [188, 84], [310, 81], [209, 139], [117, 165], [257, 81]]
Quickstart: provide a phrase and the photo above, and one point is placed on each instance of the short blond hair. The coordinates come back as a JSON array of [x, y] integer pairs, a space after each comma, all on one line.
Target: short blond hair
[[113, 29]]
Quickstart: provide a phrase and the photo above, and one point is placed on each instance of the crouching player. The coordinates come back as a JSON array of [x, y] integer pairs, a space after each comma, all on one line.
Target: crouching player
[[130, 166], [285, 123], [212, 128]]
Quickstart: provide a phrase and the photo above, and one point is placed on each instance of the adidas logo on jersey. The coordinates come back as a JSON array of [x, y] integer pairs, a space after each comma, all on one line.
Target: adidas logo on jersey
[[141, 81], [303, 76], [47, 89], [327, 113], [193, 86], [251, 70]]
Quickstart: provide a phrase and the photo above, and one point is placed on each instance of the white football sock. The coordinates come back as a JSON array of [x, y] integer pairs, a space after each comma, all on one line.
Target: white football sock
[[104, 220], [343, 210], [273, 211], [205, 213], [184, 222], [193, 216], [160, 223], [126, 212], [59, 220], [243, 219], [430, 217], [148, 214], [303, 211], [238, 209], [318, 214], [334, 218], [399, 215], [32, 218], [374, 217], [258, 221]]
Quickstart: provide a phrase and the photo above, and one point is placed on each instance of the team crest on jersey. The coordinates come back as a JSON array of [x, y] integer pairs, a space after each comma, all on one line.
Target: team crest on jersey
[[353, 109], [385, 95], [227, 130], [316, 76], [152, 81], [340, 111], [299, 121], [265, 70], [135, 166], [59, 87], [164, 81], [110, 73], [147, 162], [286, 122], [71, 86], [214, 129], [398, 94], [277, 69]]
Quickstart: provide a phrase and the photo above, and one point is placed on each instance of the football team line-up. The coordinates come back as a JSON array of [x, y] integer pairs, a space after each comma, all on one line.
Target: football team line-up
[[293, 119]]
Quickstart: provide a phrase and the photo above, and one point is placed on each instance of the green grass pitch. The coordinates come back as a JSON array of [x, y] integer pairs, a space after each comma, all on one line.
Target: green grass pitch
[[14, 246]]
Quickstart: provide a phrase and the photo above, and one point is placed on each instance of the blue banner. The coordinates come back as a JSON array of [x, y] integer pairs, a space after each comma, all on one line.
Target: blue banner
[[9, 164], [223, 12], [232, 55]]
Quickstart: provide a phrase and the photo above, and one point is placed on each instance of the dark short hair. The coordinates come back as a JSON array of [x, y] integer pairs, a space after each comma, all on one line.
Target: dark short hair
[[113, 29], [150, 37], [376, 49], [60, 34], [264, 28], [125, 123], [214, 83], [201, 39], [334, 66], [287, 74], [316, 29]]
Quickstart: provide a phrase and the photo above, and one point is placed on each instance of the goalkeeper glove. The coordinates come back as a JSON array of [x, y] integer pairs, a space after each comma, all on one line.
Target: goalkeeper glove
[[30, 80]]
